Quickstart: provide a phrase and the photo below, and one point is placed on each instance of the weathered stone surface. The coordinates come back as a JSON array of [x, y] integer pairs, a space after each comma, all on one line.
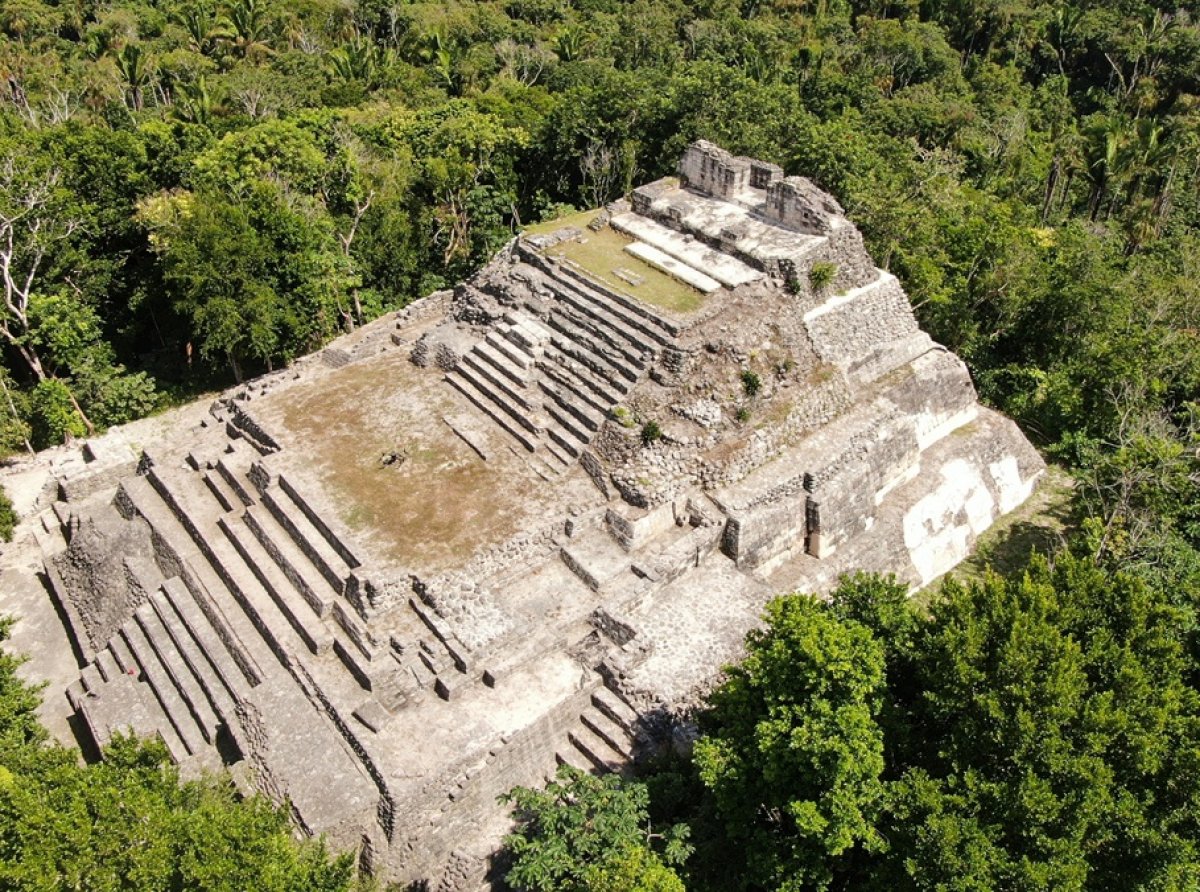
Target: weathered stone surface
[[523, 523]]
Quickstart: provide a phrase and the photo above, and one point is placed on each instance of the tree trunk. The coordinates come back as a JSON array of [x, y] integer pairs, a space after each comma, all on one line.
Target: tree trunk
[[87, 422], [32, 360], [12, 408]]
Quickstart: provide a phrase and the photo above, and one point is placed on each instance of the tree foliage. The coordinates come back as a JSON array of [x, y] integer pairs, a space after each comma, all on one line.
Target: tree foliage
[[1040, 730], [588, 834], [791, 752], [1026, 168]]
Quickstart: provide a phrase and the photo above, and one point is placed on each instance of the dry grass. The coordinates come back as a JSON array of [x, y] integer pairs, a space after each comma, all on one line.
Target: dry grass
[[600, 253], [433, 509]]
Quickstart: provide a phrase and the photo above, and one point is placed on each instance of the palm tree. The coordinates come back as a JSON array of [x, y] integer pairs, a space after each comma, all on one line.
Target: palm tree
[[194, 104], [247, 28], [201, 27], [135, 69]]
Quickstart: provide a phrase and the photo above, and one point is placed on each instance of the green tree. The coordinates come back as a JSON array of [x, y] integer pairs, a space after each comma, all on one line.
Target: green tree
[[1060, 738], [589, 834], [792, 752], [260, 278]]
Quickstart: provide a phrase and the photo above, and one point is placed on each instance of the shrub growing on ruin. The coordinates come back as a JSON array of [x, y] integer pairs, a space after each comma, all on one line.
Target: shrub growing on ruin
[[651, 432], [8, 516], [751, 383], [590, 834], [821, 275]]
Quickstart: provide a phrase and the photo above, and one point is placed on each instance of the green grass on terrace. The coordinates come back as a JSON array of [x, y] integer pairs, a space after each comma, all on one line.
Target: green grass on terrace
[[600, 253]]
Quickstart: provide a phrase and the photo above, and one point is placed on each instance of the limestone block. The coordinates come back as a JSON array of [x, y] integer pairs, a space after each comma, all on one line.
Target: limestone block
[[795, 202], [710, 169]]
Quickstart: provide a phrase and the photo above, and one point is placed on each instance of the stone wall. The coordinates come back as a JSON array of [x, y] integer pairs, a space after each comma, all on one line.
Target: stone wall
[[709, 168], [648, 476], [849, 326], [105, 571], [795, 202]]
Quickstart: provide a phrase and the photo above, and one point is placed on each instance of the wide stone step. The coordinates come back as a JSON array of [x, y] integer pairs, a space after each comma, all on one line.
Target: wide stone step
[[119, 705], [566, 441], [333, 536], [609, 731], [604, 338], [566, 422], [304, 535], [289, 601], [91, 678], [485, 374], [583, 412], [616, 709], [360, 667], [596, 749], [604, 313], [510, 350], [235, 478], [146, 501], [303, 573], [582, 382], [106, 665], [200, 645], [485, 402], [221, 490], [179, 671], [596, 355], [501, 363], [155, 674], [629, 307], [569, 755]]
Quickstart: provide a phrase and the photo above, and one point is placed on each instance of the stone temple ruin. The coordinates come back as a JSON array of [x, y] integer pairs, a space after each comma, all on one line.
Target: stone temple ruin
[[524, 522]]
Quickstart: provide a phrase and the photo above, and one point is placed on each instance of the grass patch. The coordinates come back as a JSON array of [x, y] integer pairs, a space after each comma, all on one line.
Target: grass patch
[[600, 253], [579, 219], [433, 509]]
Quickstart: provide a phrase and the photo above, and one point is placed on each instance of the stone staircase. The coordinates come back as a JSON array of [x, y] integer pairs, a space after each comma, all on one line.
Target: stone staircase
[[551, 383], [496, 375], [604, 738], [167, 673], [255, 620]]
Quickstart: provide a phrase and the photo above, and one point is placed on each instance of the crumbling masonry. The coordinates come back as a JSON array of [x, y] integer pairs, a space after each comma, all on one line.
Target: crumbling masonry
[[527, 521]]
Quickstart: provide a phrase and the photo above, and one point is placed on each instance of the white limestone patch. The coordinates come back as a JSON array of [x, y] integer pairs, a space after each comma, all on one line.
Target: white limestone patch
[[939, 529], [673, 267], [1012, 489], [729, 271], [933, 426]]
